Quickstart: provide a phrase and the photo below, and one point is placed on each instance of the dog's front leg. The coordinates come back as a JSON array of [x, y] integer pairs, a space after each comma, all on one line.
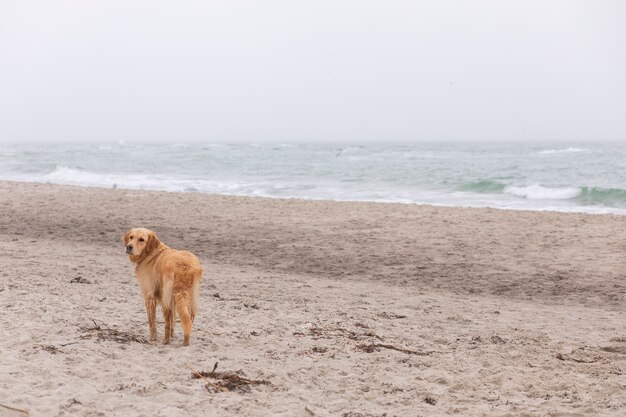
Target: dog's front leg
[[151, 303]]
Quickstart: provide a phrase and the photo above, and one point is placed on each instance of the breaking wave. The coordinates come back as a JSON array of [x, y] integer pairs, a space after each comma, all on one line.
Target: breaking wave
[[539, 192], [561, 151], [588, 196]]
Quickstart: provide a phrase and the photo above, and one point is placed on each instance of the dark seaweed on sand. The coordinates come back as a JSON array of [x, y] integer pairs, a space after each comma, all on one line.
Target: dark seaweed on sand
[[104, 333], [226, 381]]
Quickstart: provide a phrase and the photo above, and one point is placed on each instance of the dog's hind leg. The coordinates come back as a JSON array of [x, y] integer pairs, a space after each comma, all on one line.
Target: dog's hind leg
[[183, 307], [167, 302]]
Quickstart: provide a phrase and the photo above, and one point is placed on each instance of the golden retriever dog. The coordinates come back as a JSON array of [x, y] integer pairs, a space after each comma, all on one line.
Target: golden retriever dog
[[168, 276]]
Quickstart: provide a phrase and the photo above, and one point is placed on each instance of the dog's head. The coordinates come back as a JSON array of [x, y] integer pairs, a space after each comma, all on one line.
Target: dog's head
[[140, 242]]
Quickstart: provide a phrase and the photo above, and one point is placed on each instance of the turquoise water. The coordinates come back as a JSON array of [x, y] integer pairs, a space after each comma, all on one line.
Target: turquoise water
[[565, 177]]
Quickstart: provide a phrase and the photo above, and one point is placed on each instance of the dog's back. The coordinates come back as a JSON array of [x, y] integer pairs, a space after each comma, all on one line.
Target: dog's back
[[180, 273]]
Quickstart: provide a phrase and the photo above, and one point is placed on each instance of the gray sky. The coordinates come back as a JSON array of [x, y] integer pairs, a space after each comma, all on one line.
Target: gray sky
[[352, 70]]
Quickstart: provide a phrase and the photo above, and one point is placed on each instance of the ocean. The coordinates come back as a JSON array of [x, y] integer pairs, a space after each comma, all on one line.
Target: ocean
[[581, 177]]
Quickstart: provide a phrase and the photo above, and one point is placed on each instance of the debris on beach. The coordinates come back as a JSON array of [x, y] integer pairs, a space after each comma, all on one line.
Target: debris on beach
[[333, 332], [226, 381], [375, 347], [430, 400], [80, 280], [48, 348], [392, 316], [103, 333]]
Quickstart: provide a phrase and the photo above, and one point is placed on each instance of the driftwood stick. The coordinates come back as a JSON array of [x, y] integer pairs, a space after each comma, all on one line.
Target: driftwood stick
[[14, 409], [375, 346], [198, 374]]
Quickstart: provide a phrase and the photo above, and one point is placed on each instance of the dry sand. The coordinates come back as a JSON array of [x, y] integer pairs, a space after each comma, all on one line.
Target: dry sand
[[346, 309]]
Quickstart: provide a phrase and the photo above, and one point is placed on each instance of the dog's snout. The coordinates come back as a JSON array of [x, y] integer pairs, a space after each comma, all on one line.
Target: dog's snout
[[129, 248]]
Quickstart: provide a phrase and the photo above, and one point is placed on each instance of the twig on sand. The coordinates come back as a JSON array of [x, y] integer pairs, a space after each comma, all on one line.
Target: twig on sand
[[198, 374], [375, 347], [226, 381], [19, 410], [563, 357], [105, 333], [328, 332]]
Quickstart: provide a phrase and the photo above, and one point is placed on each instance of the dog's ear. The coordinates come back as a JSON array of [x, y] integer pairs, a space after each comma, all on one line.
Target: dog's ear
[[152, 243], [125, 238]]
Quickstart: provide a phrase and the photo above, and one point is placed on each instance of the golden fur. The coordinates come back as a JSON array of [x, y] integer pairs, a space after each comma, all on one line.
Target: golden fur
[[167, 276]]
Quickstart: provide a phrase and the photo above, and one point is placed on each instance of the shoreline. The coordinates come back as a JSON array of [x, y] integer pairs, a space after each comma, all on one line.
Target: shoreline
[[601, 210], [342, 307]]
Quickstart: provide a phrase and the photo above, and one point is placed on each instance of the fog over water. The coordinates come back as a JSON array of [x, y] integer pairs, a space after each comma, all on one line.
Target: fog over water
[[284, 71]]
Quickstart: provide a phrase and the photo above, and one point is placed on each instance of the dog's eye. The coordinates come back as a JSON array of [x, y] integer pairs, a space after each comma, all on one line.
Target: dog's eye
[[131, 238], [142, 239]]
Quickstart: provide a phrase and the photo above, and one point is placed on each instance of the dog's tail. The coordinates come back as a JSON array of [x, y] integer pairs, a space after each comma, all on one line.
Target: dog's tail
[[168, 296]]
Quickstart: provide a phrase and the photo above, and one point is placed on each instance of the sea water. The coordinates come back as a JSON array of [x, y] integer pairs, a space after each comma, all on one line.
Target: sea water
[[581, 177]]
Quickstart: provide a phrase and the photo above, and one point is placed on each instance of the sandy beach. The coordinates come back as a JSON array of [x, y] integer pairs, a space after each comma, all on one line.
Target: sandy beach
[[334, 308]]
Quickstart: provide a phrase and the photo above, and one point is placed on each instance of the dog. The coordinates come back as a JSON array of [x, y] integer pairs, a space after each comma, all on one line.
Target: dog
[[167, 276]]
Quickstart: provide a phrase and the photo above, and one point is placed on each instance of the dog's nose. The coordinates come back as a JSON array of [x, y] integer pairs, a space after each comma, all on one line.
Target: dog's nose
[[129, 248]]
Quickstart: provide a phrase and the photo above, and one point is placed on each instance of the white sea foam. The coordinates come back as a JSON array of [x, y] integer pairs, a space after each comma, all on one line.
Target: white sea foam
[[538, 192], [561, 151], [70, 176]]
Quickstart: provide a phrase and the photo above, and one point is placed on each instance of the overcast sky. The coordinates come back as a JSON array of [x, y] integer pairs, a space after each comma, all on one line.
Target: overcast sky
[[352, 70]]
